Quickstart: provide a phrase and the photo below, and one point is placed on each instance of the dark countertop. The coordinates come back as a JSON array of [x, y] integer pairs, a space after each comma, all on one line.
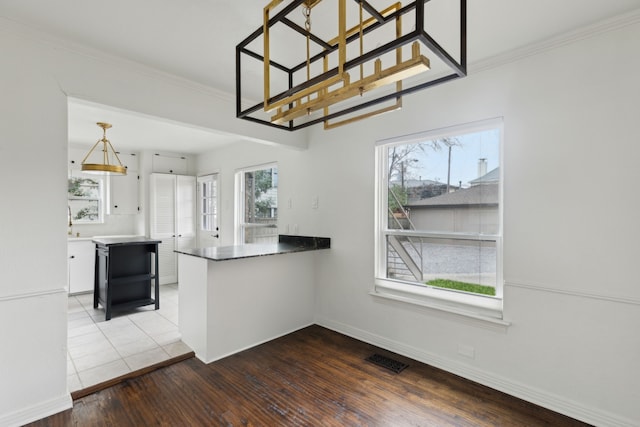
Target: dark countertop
[[134, 240], [286, 244]]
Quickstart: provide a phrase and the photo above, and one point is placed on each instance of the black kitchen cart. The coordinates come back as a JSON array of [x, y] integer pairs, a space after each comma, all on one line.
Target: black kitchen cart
[[126, 269]]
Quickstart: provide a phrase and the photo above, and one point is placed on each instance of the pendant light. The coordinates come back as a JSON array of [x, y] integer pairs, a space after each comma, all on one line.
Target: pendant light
[[109, 157], [344, 79]]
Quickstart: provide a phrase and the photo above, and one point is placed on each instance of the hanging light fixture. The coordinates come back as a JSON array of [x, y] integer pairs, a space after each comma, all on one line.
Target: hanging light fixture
[[109, 156], [361, 72]]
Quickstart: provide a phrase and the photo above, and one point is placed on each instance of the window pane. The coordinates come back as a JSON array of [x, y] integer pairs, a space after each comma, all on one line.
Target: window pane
[[209, 189], [463, 265], [261, 195], [84, 210], [86, 188], [260, 205], [448, 185], [84, 197], [206, 189], [208, 206]]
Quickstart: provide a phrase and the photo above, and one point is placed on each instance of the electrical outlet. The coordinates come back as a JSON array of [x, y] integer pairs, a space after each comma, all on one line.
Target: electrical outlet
[[466, 351], [314, 202]]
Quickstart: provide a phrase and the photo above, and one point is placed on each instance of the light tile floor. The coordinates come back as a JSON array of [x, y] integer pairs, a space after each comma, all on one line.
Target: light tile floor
[[99, 350]]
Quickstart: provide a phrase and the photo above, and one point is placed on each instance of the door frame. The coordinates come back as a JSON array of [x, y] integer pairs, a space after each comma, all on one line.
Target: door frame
[[202, 240]]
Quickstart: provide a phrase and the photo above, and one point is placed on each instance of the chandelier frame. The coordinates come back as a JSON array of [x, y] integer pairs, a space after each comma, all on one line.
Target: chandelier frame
[[293, 101]]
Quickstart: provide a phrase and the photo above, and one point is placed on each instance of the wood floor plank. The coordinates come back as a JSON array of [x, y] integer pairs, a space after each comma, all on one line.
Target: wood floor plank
[[308, 378]]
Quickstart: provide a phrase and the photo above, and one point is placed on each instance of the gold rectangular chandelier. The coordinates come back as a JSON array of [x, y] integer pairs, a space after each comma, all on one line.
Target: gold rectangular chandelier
[[340, 61]]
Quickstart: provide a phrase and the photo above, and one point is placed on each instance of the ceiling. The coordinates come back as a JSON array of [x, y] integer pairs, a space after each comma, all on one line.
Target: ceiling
[[196, 39], [133, 131]]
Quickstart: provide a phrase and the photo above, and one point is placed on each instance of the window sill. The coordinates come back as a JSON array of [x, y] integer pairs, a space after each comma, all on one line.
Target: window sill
[[478, 308]]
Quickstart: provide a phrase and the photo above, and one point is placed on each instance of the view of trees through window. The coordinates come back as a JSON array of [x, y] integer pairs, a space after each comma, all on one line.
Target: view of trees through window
[[260, 205], [85, 198], [443, 211]]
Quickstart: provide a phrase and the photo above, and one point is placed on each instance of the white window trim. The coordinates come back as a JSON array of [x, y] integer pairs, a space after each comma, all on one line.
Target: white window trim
[[239, 224], [484, 308], [209, 177], [103, 189]]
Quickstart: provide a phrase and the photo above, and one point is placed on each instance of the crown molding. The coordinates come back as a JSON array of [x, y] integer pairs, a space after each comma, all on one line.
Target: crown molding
[[564, 39], [38, 36], [56, 42]]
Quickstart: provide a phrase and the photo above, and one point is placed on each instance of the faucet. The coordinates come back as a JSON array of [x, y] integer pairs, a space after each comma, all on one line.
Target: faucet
[[70, 230]]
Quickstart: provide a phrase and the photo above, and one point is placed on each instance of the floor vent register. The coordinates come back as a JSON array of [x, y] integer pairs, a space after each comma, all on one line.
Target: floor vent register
[[387, 362]]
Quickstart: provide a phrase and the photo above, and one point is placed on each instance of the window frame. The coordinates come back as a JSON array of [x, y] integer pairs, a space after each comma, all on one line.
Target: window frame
[[477, 306], [101, 199], [240, 225], [212, 216]]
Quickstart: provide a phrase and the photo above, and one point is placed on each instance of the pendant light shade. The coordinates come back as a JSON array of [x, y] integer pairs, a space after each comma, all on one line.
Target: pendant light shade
[[110, 162]]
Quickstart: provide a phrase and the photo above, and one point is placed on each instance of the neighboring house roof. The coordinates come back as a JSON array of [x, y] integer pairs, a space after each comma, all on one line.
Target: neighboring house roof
[[489, 177], [412, 183], [479, 195]]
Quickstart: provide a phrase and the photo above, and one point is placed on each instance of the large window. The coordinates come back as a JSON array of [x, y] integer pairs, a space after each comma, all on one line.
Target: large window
[[439, 220], [85, 198], [257, 204]]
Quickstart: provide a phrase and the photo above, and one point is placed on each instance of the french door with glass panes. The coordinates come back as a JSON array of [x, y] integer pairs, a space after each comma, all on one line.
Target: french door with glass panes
[[208, 221]]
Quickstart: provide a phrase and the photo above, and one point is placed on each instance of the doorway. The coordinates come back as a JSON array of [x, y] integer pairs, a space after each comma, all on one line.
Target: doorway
[[208, 220]]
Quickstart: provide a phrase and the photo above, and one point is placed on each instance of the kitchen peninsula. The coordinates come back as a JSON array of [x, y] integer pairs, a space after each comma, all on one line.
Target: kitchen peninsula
[[235, 297]]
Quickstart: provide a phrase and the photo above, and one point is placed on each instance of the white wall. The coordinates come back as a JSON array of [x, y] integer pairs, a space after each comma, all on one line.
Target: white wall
[[571, 230], [294, 183], [33, 159], [36, 76]]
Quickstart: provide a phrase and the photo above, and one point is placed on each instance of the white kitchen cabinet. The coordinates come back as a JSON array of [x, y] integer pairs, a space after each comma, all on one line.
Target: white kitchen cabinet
[[124, 194], [75, 156], [172, 219], [81, 258], [124, 190], [173, 164]]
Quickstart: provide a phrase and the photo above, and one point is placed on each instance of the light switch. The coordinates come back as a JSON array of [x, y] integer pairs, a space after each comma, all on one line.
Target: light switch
[[314, 202]]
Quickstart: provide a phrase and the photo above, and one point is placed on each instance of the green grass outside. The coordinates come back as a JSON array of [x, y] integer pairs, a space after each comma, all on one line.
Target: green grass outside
[[462, 286]]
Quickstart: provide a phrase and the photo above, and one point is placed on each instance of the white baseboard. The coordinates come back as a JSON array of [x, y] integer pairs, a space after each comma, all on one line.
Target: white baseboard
[[539, 397], [37, 412]]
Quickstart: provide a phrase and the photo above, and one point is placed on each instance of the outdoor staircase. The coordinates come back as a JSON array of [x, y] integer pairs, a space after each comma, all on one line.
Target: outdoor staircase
[[402, 251], [396, 268], [400, 263]]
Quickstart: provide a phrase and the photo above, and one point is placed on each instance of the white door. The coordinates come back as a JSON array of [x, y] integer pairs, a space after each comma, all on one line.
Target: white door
[[185, 212], [163, 224], [186, 209], [163, 206], [208, 224]]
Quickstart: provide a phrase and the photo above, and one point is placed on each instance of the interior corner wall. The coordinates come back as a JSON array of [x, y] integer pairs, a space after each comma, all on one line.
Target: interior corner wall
[[36, 76], [570, 229]]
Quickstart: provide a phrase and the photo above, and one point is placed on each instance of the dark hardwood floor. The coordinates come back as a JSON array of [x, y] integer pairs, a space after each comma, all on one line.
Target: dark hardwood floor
[[313, 377]]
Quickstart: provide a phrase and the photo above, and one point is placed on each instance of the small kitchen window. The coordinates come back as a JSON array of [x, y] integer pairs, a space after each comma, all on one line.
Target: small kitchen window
[[85, 198]]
